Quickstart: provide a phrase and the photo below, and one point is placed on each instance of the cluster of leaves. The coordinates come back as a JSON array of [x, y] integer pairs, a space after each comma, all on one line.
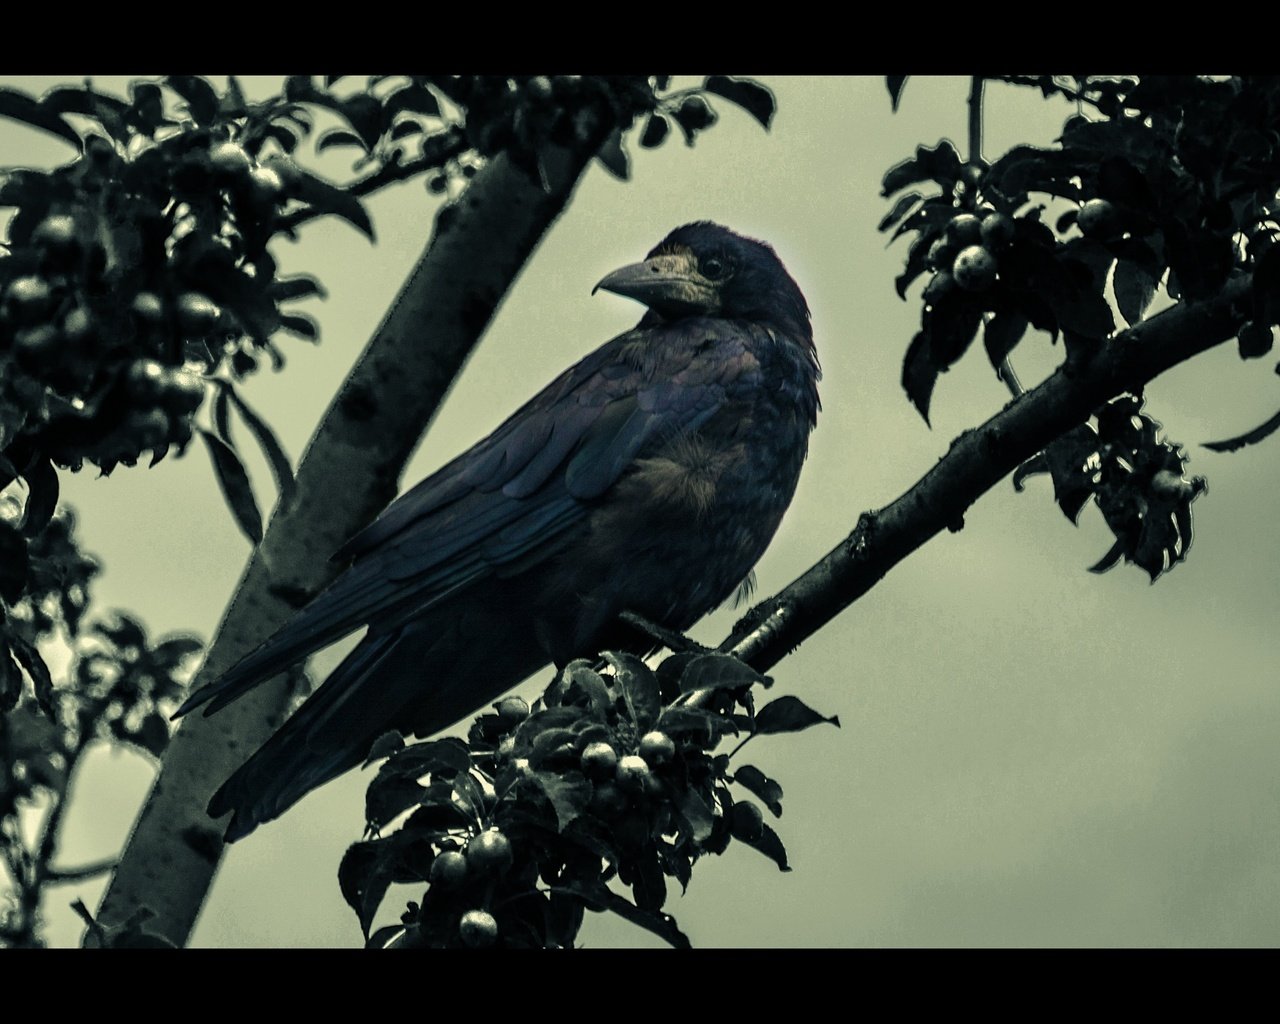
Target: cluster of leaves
[[1169, 181], [120, 685], [1136, 479], [611, 777]]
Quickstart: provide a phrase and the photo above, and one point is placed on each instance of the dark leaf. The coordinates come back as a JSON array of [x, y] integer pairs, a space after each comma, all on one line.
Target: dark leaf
[[940, 164], [1035, 464], [751, 96], [363, 878], [364, 113], [328, 198], [1107, 561], [233, 102], [29, 658], [1001, 335], [21, 107], [597, 897], [42, 497], [771, 846], [447, 756], [676, 720], [656, 129], [1255, 435], [1266, 287], [173, 650], [639, 688], [298, 286], [234, 482], [415, 98], [698, 811], [384, 936], [614, 157], [905, 204], [762, 786], [404, 129], [789, 714], [222, 413], [896, 83], [152, 735], [568, 793], [390, 742], [13, 564], [337, 137], [125, 631], [1134, 287], [300, 324], [200, 96], [708, 671], [77, 99], [919, 374], [580, 673]]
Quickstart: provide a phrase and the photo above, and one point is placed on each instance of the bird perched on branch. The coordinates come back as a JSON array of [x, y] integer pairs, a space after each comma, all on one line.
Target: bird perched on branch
[[648, 478]]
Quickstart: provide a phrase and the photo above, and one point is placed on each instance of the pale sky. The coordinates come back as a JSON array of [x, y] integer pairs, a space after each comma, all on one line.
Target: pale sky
[[1030, 754]]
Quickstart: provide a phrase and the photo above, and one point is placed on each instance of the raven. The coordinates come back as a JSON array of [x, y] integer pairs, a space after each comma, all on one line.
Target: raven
[[648, 478]]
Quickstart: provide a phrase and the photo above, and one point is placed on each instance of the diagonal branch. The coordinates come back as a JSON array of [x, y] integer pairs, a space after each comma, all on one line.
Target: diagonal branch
[[976, 462], [348, 473]]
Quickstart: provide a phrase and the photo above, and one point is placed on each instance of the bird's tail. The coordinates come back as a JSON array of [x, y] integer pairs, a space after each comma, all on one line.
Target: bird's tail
[[419, 678]]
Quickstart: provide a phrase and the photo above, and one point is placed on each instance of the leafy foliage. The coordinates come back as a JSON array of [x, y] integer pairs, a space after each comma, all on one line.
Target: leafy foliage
[[119, 688], [612, 777], [1166, 182]]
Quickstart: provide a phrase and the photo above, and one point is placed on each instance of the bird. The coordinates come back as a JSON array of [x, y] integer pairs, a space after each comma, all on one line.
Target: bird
[[648, 478]]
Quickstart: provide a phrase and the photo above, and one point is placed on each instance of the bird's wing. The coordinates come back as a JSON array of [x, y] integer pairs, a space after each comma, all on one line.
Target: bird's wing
[[509, 498]]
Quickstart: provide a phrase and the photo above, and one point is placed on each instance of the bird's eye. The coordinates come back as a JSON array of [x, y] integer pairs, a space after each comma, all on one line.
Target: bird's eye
[[715, 267]]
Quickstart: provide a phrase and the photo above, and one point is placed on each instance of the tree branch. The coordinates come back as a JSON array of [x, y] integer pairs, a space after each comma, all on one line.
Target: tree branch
[[977, 460], [476, 250]]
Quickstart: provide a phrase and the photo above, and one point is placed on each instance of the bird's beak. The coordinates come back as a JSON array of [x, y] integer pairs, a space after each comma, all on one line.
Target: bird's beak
[[669, 283]]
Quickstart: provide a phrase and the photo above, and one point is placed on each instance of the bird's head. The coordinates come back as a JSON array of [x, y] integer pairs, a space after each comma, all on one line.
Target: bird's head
[[704, 269]]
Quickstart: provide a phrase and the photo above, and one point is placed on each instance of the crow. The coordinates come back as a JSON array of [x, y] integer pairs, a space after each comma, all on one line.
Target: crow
[[647, 478]]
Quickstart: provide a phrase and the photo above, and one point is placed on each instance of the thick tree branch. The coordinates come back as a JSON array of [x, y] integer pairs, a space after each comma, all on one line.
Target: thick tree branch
[[348, 473], [978, 460]]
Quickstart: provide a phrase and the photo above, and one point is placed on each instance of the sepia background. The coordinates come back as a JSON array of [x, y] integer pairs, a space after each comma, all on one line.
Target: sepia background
[[1030, 754]]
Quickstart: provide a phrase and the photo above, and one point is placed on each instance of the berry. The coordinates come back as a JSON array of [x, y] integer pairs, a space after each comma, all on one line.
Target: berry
[[941, 254], [964, 229], [448, 870], [489, 853], [146, 380], [599, 759], [939, 286], [1100, 219], [229, 159], [182, 391], [633, 774], [478, 929], [148, 307], [657, 748], [974, 269], [27, 298], [36, 344], [997, 230], [197, 314], [57, 233], [1254, 340]]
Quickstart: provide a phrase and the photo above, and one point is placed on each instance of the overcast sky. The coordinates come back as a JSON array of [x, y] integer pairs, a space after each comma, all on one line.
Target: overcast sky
[[1030, 754]]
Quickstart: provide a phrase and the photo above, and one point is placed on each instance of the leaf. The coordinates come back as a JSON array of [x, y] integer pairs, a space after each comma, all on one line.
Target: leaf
[[896, 83], [614, 157], [297, 286], [698, 812], [328, 198], [1134, 287], [336, 137], [753, 779], [21, 107], [301, 324], [14, 563], [568, 794], [919, 375], [1253, 436], [789, 714], [905, 204], [639, 688], [363, 878], [1266, 287], [42, 497], [275, 457], [234, 482], [684, 719], [580, 673], [769, 843], [1001, 335], [415, 98], [597, 897], [1108, 561], [940, 164], [200, 96], [29, 658], [390, 742], [656, 129], [448, 756], [711, 671], [751, 96]]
